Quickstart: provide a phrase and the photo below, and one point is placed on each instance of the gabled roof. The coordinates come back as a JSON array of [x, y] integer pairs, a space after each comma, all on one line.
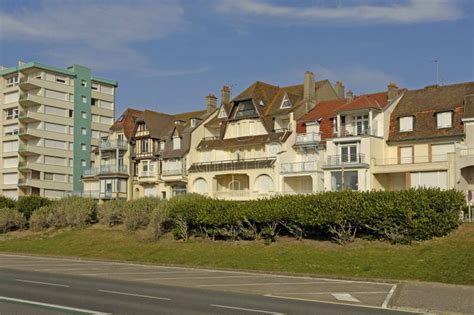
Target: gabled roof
[[126, 121], [367, 101], [423, 104]]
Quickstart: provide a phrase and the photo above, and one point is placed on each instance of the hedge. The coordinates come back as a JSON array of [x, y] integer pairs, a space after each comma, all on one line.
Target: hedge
[[397, 216]]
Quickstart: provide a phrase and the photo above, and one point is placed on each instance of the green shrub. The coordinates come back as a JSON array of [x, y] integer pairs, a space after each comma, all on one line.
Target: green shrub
[[28, 204], [159, 221], [137, 212], [110, 212], [396, 216], [6, 202], [11, 219], [71, 211]]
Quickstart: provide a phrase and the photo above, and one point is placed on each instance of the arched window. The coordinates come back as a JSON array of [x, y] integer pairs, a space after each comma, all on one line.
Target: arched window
[[200, 186], [234, 184], [264, 183]]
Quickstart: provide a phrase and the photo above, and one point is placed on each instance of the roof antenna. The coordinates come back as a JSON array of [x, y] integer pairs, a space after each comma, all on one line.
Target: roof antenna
[[436, 60]]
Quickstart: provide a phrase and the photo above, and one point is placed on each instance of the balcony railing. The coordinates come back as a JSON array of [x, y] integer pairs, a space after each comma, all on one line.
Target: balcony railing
[[308, 138], [232, 194], [147, 173], [113, 144], [412, 160], [347, 159], [298, 167], [353, 131], [210, 138], [172, 172], [232, 165], [106, 169]]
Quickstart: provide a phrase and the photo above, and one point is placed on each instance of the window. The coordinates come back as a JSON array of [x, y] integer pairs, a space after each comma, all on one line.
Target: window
[[49, 110], [83, 147], [349, 154], [84, 115], [10, 162], [162, 145], [95, 86], [200, 186], [53, 160], [71, 130], [176, 143], [10, 146], [54, 127], [350, 180], [48, 176], [193, 122], [71, 113], [107, 89], [95, 134], [83, 163], [245, 109], [56, 95], [362, 124], [10, 97], [222, 113], [93, 101], [11, 113], [84, 83], [10, 130], [106, 120], [444, 120], [406, 123], [11, 81], [10, 179], [437, 179], [84, 99], [439, 152], [84, 131], [144, 146], [406, 155], [106, 105], [60, 79], [264, 184], [55, 144], [285, 103]]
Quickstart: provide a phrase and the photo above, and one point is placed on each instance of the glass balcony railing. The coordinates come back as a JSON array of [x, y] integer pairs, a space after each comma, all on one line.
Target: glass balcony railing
[[345, 159], [298, 167], [113, 144], [308, 138], [106, 169]]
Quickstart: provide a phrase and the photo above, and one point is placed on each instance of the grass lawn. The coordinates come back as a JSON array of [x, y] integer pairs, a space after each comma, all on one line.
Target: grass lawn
[[449, 259]]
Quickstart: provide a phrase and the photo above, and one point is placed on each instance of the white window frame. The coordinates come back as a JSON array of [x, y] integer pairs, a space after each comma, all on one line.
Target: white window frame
[[285, 103], [438, 120], [406, 120]]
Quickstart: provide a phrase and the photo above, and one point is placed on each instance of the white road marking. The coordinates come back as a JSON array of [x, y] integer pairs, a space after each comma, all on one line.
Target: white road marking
[[43, 283], [136, 295], [246, 309], [267, 283], [322, 293], [389, 296], [345, 297], [339, 303], [197, 278], [119, 273], [66, 308]]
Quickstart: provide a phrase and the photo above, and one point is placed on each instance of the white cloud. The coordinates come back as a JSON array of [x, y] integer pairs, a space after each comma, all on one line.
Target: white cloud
[[412, 11], [99, 34], [359, 79]]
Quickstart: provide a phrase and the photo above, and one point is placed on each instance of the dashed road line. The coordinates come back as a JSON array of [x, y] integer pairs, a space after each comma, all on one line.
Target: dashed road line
[[196, 278], [246, 309], [322, 293], [253, 284], [136, 295], [43, 283]]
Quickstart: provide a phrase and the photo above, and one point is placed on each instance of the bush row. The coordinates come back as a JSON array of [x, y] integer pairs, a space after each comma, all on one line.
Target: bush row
[[397, 216]]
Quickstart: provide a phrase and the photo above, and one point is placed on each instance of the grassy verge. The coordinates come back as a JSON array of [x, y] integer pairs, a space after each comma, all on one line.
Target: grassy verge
[[449, 259]]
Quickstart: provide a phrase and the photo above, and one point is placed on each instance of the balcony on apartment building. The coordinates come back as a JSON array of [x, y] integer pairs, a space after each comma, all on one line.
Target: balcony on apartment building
[[410, 164], [308, 139], [27, 149], [466, 157], [29, 83], [172, 172], [29, 99], [28, 133], [106, 170], [232, 165], [345, 161], [45, 184], [355, 131], [28, 116], [298, 167], [106, 145]]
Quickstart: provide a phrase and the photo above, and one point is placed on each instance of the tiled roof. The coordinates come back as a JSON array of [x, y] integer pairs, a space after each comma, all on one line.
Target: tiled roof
[[469, 106], [126, 121], [423, 104], [243, 141]]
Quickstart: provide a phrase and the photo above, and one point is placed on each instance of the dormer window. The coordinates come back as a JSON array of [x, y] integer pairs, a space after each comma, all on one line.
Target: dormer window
[[176, 143], [222, 113], [406, 123], [285, 103], [245, 109], [194, 122], [444, 120], [162, 145]]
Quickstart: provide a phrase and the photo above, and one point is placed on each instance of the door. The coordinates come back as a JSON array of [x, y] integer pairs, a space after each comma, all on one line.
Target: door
[[406, 155], [349, 153]]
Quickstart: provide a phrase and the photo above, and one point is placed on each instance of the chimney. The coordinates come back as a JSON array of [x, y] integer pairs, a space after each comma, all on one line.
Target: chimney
[[392, 90], [339, 89], [309, 92], [21, 62], [350, 96], [225, 94], [211, 101]]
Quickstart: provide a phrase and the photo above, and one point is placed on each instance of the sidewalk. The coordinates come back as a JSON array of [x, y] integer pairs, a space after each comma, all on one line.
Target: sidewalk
[[433, 298]]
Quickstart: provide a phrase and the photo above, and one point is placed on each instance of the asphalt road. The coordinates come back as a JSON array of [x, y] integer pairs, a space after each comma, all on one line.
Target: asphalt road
[[121, 297]]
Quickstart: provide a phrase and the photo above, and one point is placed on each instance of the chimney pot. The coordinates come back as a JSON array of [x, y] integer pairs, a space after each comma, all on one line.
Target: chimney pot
[[339, 88], [392, 90], [350, 96], [225, 94], [211, 101]]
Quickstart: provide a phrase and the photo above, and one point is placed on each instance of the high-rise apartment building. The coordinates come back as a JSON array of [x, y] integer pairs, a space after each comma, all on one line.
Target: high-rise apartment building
[[51, 120]]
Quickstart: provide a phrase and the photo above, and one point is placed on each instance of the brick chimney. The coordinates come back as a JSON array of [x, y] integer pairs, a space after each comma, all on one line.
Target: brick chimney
[[225, 94], [339, 89], [392, 90], [211, 101], [350, 96], [309, 92]]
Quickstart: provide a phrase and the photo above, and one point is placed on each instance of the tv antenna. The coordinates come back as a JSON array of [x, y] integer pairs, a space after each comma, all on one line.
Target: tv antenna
[[436, 61]]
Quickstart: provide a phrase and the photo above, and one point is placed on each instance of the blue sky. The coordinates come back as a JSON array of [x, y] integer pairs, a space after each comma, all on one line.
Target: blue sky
[[168, 55]]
